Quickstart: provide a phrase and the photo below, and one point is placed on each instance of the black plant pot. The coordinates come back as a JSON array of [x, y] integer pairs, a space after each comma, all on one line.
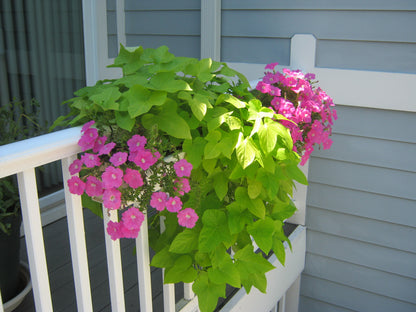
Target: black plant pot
[[10, 259]]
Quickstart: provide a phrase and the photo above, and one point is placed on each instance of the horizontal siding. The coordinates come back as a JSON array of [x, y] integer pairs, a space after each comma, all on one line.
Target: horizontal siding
[[350, 297], [175, 24], [361, 215], [313, 305], [373, 35]]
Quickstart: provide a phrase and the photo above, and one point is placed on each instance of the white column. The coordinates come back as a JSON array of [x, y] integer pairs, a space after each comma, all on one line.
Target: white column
[[211, 29]]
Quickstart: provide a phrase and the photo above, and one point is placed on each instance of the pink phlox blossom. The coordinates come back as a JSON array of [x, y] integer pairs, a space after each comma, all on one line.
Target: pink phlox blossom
[[183, 168], [263, 87], [327, 142], [90, 160], [87, 125], [143, 158], [296, 134], [76, 185], [127, 233], [271, 66], [271, 78], [112, 198], [136, 143], [133, 178], [132, 218], [158, 200], [87, 140], [182, 186], [174, 204], [114, 229], [187, 218], [93, 186], [118, 158], [275, 91], [310, 76], [106, 149], [303, 115], [75, 167], [112, 177], [99, 143]]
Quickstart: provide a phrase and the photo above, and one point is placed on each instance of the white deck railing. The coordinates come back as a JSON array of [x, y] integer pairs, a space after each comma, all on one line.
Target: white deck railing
[[23, 157]]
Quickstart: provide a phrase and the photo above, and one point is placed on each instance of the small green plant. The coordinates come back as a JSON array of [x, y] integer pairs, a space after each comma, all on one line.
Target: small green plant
[[16, 123], [243, 166]]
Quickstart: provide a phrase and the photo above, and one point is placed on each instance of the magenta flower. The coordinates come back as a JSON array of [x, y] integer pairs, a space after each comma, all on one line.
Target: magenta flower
[[90, 160], [93, 187], [275, 91], [75, 167], [143, 158], [271, 66], [118, 158], [112, 177], [112, 198], [136, 143], [174, 204], [106, 149], [182, 186], [88, 125], [133, 178], [187, 218], [87, 140], [183, 168], [129, 233], [114, 229], [133, 218], [263, 87], [158, 200], [76, 185], [99, 143]]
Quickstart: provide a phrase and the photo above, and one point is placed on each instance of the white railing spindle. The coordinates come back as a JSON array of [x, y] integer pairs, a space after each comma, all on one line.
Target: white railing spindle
[[188, 293], [34, 239], [76, 230], [115, 276], [143, 268]]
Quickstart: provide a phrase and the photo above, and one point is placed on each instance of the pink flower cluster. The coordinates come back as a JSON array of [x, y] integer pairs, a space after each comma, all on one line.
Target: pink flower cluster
[[292, 94], [111, 173]]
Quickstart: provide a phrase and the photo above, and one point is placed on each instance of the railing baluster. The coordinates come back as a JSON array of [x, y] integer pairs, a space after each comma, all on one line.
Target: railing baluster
[[168, 289], [143, 268], [115, 272], [1, 303], [76, 230], [188, 293], [34, 239]]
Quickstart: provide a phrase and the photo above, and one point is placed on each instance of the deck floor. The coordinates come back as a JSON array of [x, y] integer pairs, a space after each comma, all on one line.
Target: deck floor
[[60, 270]]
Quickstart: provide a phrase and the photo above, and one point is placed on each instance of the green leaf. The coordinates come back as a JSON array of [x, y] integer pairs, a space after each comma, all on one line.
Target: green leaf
[[167, 81], [107, 98], [237, 219], [185, 242], [252, 268], [164, 259], [220, 184], [181, 271], [214, 231], [216, 117], [279, 250], [228, 98], [257, 208], [296, 174], [283, 210], [246, 151], [169, 121], [141, 100], [209, 165], [254, 188], [262, 232], [198, 103], [207, 292], [227, 273], [194, 150], [124, 120], [228, 143], [268, 138], [129, 59]]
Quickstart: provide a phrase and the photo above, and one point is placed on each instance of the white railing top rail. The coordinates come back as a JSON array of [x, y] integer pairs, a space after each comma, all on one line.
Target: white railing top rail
[[31, 153]]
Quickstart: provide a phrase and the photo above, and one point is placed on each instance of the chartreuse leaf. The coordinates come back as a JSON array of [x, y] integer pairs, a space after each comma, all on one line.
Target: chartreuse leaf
[[224, 271], [208, 292], [169, 121], [283, 210], [255, 206], [270, 182], [194, 150], [246, 151], [279, 250], [129, 59], [262, 232], [220, 180], [252, 268], [237, 219], [296, 174], [181, 271], [214, 231], [164, 258], [166, 81], [198, 103], [107, 98], [268, 138], [230, 99], [141, 100], [185, 242], [254, 188], [124, 120]]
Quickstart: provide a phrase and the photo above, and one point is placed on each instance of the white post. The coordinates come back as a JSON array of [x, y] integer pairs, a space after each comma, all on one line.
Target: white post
[[143, 267], [76, 230], [168, 289], [292, 297], [211, 29], [299, 199], [121, 23], [34, 239], [1, 304], [115, 270], [302, 53]]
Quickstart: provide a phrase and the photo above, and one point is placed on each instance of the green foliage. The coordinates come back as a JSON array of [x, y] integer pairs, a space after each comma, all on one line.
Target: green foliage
[[243, 164]]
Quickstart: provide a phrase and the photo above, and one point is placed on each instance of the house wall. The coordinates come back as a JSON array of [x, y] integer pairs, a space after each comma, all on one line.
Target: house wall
[[361, 203]]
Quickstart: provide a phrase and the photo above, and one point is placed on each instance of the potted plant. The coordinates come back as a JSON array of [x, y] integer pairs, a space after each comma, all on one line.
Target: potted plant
[[17, 123], [187, 140]]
